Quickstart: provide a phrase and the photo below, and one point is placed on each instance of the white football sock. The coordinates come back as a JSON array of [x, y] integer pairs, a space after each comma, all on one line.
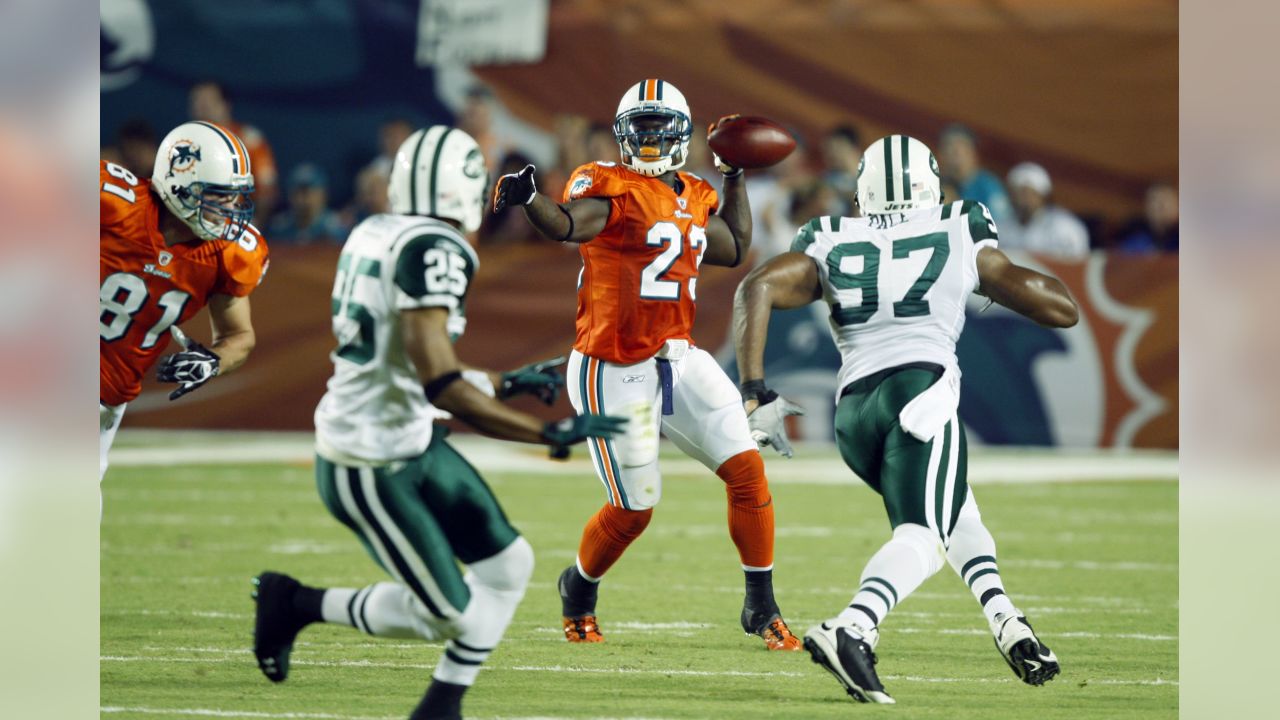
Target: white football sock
[[384, 609], [972, 555], [912, 556], [497, 585]]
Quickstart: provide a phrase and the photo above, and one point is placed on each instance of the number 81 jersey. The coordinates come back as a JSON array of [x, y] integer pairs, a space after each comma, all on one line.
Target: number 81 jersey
[[897, 283], [639, 276], [145, 286]]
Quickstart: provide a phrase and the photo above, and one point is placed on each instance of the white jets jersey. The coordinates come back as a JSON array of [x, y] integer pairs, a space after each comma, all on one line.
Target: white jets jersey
[[897, 283], [375, 409]]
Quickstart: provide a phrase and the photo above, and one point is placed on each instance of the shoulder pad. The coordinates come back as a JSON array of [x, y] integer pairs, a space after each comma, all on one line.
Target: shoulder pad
[[597, 179], [416, 250], [981, 224]]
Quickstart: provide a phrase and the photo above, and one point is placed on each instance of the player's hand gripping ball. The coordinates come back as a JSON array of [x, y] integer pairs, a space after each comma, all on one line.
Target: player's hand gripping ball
[[749, 142]]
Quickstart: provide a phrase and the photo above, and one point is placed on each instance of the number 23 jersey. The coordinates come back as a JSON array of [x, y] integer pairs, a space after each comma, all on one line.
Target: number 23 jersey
[[145, 286], [638, 283]]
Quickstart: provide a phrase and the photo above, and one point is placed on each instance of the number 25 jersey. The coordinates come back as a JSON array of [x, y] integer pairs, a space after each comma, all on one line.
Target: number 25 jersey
[[145, 286], [638, 283]]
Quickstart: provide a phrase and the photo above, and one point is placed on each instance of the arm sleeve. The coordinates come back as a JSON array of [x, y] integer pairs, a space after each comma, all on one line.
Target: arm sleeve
[[432, 270]]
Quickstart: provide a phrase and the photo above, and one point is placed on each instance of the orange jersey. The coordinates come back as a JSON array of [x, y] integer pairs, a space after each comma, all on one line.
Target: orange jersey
[[146, 287], [639, 274]]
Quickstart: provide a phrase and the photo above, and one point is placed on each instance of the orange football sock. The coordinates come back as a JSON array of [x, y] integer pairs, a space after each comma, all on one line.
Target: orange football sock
[[607, 535], [750, 508]]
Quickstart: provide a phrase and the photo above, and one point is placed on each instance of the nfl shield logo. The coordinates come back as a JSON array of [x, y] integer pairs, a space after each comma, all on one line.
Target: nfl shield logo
[[165, 257], [684, 204]]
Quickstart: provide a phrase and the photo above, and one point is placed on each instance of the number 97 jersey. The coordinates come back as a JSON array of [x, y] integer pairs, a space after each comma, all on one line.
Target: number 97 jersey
[[145, 287], [897, 284], [639, 276]]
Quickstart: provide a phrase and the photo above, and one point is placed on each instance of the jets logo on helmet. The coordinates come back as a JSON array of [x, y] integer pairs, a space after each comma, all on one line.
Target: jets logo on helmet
[[473, 166], [439, 171], [898, 173], [203, 175], [653, 128]]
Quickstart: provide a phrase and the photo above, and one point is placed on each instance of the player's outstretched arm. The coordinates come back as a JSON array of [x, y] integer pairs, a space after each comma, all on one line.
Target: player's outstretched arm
[[576, 221], [1041, 297], [787, 281], [426, 340], [233, 337]]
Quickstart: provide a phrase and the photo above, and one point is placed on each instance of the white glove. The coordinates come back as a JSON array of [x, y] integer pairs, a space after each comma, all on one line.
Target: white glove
[[725, 168], [769, 427]]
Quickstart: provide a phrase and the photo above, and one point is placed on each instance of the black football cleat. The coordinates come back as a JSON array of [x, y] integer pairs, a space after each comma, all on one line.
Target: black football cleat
[[276, 623], [848, 653]]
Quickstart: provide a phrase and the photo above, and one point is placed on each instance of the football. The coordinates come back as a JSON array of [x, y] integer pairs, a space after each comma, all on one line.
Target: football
[[750, 142]]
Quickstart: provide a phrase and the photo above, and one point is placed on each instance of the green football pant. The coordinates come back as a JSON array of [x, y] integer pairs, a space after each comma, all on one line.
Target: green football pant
[[416, 516], [921, 482]]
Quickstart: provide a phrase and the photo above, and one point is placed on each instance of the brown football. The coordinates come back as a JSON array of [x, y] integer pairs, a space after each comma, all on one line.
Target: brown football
[[750, 142]]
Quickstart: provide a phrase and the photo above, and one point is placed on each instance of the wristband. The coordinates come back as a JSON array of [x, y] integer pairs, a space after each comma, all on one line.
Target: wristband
[[438, 385], [756, 390]]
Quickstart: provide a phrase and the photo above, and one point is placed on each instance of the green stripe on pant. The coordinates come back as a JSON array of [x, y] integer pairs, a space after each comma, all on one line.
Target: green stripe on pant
[[416, 516], [891, 461]]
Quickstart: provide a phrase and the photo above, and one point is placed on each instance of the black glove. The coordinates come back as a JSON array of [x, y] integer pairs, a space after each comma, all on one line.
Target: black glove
[[540, 379], [570, 430], [512, 190], [190, 368]]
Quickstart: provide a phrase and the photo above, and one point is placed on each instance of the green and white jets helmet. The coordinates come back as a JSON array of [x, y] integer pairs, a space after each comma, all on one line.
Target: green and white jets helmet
[[898, 173], [439, 171]]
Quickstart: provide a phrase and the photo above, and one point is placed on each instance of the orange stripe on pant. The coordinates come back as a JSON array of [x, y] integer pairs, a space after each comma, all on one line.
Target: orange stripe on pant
[[593, 405]]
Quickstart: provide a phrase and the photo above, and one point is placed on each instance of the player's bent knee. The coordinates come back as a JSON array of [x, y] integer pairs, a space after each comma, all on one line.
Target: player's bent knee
[[926, 544], [744, 479], [431, 627], [508, 570], [626, 525]]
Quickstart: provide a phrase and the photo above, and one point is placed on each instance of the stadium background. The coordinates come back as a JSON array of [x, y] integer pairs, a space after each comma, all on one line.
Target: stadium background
[[1088, 89]]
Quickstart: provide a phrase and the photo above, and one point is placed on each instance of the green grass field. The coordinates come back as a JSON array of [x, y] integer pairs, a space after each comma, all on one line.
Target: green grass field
[[1094, 565]]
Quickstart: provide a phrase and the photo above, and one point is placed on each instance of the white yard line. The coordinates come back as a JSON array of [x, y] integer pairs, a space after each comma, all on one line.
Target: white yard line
[[604, 671], [814, 464], [210, 712]]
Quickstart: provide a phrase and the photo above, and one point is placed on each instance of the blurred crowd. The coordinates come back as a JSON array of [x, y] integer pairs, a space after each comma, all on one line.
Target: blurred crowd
[[297, 207]]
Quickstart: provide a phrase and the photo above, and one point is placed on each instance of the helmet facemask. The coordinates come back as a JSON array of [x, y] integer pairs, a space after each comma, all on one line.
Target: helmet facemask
[[653, 140], [214, 211]]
